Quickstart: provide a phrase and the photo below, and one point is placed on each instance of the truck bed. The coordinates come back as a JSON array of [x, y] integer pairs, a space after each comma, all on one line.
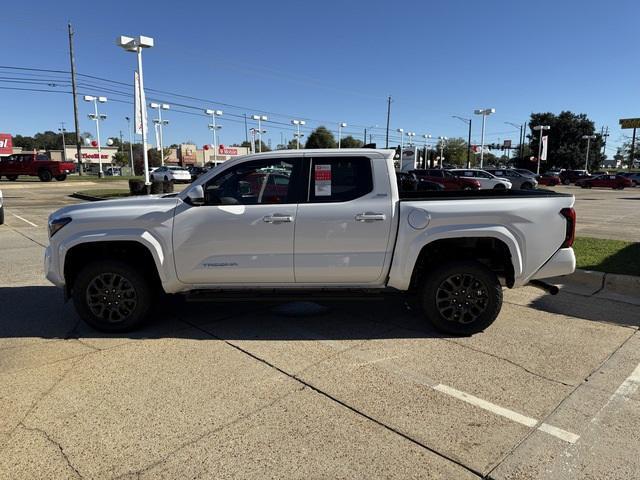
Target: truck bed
[[479, 194]]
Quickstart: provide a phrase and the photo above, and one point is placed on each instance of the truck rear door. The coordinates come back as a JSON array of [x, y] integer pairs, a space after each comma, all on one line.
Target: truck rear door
[[344, 221]]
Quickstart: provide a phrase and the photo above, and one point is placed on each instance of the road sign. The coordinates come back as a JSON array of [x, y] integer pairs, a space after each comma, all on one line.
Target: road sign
[[630, 122]]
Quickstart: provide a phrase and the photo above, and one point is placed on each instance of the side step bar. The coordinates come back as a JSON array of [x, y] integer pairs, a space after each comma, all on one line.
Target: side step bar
[[279, 295]]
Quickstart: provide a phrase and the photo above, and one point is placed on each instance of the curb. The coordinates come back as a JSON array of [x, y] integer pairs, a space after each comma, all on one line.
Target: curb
[[612, 286], [89, 198]]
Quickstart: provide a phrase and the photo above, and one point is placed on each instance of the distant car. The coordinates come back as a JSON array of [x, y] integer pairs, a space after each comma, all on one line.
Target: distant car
[[526, 173], [1, 209], [196, 171], [171, 174], [409, 182], [113, 172], [633, 176], [549, 179], [572, 176], [446, 179], [517, 179], [487, 180], [617, 182]]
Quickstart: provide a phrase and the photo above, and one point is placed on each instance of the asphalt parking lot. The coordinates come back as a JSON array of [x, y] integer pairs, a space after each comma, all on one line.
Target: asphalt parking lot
[[357, 390]]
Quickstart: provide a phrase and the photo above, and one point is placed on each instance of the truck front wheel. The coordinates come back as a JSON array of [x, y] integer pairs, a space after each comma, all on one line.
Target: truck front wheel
[[111, 296], [61, 178], [461, 297], [45, 175]]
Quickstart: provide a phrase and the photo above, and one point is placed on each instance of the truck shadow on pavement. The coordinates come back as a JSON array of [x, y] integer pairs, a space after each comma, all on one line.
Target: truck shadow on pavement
[[40, 311]]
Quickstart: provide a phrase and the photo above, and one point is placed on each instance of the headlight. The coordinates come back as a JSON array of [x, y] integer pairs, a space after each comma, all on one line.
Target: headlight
[[56, 224]]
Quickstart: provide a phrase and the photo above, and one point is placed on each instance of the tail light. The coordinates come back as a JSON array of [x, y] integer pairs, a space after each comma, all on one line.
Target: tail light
[[570, 216]]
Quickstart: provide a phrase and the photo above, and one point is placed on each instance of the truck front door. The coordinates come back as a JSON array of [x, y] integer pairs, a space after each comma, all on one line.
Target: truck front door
[[244, 232]]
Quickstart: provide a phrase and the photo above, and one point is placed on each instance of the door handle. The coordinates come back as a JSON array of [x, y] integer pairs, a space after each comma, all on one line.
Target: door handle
[[370, 217], [278, 218]]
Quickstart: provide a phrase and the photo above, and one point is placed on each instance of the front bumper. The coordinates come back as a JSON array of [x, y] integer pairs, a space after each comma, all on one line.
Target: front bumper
[[563, 262], [51, 270]]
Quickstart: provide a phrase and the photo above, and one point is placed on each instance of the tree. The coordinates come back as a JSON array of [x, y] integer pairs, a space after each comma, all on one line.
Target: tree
[[350, 142], [321, 137], [565, 145], [293, 144], [455, 151]]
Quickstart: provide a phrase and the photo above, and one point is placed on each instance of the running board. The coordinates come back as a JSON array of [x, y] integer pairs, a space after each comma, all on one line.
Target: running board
[[289, 295]]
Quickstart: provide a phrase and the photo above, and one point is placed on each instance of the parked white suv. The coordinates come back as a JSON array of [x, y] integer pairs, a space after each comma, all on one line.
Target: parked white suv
[[487, 180], [170, 174]]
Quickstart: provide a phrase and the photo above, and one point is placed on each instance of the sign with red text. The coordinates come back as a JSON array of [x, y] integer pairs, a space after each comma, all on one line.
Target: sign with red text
[[6, 144], [322, 180]]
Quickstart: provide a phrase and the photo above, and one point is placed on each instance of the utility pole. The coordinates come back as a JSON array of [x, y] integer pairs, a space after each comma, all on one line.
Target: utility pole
[[64, 142], [246, 132], [633, 148], [75, 99], [604, 142], [388, 118]]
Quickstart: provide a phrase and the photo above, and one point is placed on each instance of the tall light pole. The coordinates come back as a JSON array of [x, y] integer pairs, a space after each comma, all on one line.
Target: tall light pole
[[160, 123], [410, 136], [588, 138], [298, 123], [485, 112], [427, 148], [136, 45], [540, 128], [260, 118], [97, 117], [341, 125], [62, 130], [442, 142], [401, 132], [467, 121], [520, 140], [130, 144], [214, 128]]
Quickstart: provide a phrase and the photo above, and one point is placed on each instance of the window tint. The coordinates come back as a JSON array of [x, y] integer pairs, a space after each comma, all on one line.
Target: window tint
[[251, 183], [339, 179]]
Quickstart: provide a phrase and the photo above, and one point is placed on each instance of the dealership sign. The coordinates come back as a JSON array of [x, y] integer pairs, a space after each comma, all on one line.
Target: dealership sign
[[629, 122], [222, 150], [6, 144]]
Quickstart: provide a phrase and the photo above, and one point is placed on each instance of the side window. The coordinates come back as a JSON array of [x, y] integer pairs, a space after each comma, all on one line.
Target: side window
[[269, 181], [339, 179], [467, 173]]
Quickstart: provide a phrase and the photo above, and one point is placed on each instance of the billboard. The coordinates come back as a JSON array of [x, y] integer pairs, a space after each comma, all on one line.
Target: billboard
[[6, 144]]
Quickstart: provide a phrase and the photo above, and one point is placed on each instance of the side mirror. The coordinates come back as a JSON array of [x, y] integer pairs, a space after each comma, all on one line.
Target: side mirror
[[195, 196]]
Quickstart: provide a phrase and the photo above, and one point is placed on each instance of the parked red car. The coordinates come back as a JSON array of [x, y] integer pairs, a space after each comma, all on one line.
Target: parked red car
[[35, 165], [447, 179], [549, 180], [617, 182]]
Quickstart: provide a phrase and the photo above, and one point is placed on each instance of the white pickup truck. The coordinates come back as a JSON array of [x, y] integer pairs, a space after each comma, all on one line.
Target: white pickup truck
[[313, 222]]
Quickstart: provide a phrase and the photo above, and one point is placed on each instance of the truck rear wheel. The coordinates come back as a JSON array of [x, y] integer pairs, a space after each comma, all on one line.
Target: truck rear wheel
[[12, 178], [461, 297], [112, 296], [45, 175], [61, 178]]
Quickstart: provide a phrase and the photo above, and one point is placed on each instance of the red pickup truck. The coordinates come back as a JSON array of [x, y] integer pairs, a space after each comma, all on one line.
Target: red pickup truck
[[35, 165]]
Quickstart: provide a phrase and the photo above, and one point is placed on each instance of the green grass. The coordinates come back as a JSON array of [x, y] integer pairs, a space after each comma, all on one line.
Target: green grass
[[105, 192], [611, 256], [94, 178]]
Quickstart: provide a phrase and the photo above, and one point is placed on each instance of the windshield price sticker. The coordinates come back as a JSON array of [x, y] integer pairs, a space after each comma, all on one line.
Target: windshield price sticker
[[322, 180]]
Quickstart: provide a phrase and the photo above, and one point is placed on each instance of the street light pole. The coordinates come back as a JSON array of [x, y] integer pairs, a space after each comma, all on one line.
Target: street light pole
[[442, 142], [62, 130], [160, 123], [214, 128], [540, 128], [515, 125], [260, 118], [130, 144], [297, 123], [588, 138], [97, 117], [485, 112], [340, 126], [426, 137]]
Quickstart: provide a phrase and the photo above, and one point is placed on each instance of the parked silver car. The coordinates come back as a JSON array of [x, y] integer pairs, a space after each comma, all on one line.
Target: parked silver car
[[518, 180]]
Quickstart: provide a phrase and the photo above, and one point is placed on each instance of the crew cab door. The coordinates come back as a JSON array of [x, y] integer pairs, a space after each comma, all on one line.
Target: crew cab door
[[344, 223], [244, 232]]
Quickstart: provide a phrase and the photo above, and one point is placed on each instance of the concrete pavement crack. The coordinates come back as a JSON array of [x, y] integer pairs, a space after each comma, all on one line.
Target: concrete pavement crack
[[26, 236], [347, 406], [53, 442]]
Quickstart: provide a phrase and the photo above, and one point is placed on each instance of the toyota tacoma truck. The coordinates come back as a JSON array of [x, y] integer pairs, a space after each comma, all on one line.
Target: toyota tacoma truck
[[309, 224], [36, 165]]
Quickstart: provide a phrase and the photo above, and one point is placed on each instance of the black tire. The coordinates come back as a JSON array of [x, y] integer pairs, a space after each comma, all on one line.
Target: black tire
[[102, 284], [499, 186], [566, 182], [12, 178], [45, 175], [448, 283], [467, 188], [526, 186], [1, 215], [166, 179], [61, 178]]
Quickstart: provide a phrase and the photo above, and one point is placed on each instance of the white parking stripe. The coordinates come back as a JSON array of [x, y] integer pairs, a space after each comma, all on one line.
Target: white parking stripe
[[24, 220], [630, 385], [510, 414]]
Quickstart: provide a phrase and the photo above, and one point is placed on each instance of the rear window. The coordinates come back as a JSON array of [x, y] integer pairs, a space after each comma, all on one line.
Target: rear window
[[339, 179]]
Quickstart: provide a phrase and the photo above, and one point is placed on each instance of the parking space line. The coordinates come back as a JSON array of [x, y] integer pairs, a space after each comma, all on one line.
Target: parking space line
[[509, 414], [630, 385], [24, 220]]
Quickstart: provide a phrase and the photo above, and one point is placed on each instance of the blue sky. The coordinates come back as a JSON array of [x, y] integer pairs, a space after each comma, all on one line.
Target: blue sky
[[329, 62]]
